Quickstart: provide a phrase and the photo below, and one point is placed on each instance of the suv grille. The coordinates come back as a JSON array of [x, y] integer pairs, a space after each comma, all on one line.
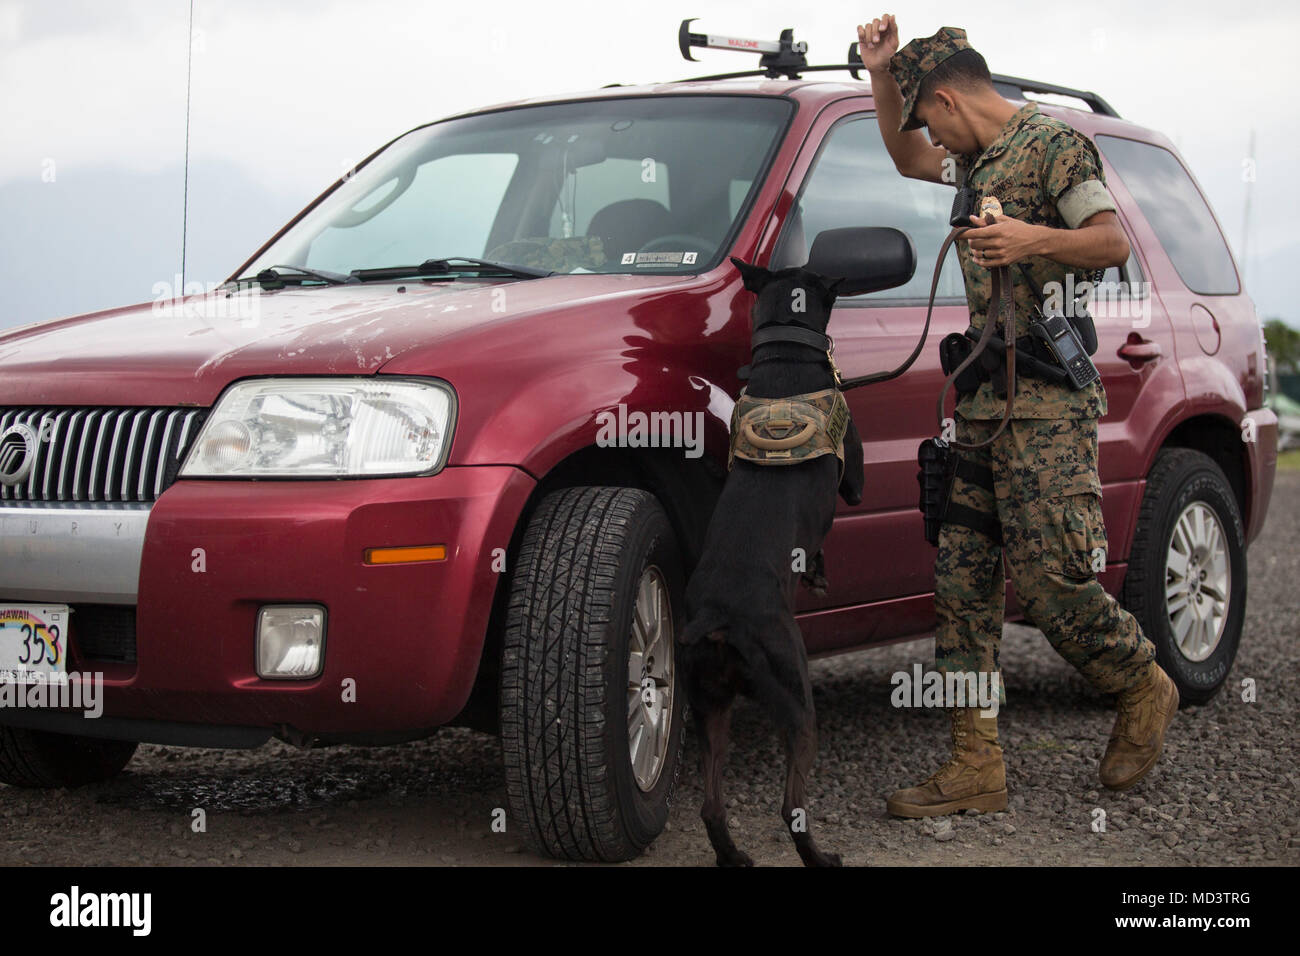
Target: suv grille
[[102, 454]]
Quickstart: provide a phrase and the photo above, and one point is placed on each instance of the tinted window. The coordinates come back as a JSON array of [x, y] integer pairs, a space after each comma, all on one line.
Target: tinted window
[[854, 183], [405, 232], [1130, 272], [537, 185], [1177, 213], [589, 189]]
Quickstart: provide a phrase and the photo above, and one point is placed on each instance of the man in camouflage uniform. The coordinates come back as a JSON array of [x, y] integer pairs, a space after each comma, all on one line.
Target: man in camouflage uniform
[[1045, 493]]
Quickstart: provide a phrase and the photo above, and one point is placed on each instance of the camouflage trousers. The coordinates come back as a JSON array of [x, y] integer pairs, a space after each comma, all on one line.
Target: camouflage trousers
[[1047, 497]]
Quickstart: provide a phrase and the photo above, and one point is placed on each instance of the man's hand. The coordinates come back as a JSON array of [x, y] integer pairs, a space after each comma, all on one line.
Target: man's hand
[[1098, 243], [1006, 241], [877, 42]]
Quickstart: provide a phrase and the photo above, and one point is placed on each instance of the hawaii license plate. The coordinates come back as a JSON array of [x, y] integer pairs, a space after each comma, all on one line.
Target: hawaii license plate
[[33, 642]]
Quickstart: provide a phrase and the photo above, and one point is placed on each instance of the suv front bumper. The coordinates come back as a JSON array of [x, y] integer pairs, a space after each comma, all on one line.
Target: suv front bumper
[[403, 641]]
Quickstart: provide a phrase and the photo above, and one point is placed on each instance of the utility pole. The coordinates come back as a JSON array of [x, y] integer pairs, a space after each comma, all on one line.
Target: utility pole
[[185, 200], [1248, 175]]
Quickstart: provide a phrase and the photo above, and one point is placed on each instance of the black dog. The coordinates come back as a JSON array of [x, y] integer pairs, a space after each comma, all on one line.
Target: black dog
[[742, 636]]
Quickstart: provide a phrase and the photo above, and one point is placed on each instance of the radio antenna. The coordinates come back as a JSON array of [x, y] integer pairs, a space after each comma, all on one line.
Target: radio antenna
[[185, 201]]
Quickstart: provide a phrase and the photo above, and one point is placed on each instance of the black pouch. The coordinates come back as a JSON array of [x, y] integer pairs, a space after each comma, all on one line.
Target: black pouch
[[1077, 315], [1083, 325], [938, 467], [953, 350], [963, 206]]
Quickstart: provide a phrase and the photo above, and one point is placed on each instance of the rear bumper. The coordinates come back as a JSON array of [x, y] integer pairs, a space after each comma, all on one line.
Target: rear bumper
[[1261, 466], [403, 642]]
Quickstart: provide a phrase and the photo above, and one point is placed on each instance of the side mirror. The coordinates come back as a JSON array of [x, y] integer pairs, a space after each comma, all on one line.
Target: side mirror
[[867, 258]]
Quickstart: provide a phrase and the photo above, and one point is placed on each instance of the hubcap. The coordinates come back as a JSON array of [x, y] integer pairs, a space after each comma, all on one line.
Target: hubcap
[[650, 684], [1198, 579]]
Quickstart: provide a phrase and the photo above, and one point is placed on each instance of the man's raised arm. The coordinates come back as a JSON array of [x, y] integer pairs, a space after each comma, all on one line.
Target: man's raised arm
[[912, 153]]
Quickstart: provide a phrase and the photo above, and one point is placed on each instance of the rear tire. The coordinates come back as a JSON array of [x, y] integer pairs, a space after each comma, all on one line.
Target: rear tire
[[38, 759], [1186, 580], [592, 751]]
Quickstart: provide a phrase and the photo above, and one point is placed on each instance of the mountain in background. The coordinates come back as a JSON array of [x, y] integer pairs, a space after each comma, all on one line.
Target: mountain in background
[[102, 237]]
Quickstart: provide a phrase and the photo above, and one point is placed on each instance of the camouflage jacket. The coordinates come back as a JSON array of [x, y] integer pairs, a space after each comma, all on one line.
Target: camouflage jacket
[[789, 431], [1045, 172]]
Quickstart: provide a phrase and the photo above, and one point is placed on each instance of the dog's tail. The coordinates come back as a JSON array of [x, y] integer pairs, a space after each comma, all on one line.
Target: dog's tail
[[767, 653]]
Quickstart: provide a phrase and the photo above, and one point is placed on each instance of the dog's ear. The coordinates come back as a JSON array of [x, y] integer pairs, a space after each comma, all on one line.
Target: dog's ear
[[755, 276], [831, 293], [854, 482]]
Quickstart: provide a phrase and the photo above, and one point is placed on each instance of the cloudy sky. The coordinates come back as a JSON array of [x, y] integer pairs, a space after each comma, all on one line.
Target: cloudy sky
[[287, 94]]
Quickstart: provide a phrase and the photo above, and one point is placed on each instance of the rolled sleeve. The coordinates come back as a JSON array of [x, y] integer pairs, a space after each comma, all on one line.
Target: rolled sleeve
[[1073, 179], [1080, 203]]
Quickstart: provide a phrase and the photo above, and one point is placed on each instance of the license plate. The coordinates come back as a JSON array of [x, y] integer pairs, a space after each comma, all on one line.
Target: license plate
[[33, 642]]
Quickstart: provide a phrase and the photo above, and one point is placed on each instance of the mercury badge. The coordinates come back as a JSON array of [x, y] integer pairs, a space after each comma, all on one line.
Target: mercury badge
[[17, 454], [990, 204]]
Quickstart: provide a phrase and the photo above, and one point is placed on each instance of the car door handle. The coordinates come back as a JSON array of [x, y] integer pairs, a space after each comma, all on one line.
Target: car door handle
[[1140, 351]]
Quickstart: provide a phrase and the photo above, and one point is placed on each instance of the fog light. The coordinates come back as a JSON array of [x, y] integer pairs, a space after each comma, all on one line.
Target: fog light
[[290, 642]]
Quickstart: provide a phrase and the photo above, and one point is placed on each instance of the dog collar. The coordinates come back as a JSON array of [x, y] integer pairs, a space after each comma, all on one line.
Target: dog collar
[[791, 333]]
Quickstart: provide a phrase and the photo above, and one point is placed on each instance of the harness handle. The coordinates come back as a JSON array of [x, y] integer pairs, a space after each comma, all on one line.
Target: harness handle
[[779, 444]]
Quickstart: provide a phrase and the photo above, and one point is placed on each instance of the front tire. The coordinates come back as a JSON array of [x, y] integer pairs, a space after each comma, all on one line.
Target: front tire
[[591, 713], [38, 759], [1186, 581]]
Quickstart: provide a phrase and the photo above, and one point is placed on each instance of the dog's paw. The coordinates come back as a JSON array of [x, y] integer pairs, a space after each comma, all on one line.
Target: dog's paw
[[735, 858], [823, 859], [812, 856]]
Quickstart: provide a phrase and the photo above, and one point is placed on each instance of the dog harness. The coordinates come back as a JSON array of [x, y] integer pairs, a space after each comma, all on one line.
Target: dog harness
[[789, 431]]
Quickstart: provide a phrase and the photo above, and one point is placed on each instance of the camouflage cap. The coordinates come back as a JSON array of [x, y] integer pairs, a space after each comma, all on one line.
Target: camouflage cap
[[910, 65]]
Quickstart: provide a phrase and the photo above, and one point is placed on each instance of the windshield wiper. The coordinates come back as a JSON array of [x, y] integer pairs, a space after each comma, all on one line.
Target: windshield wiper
[[444, 267], [268, 277]]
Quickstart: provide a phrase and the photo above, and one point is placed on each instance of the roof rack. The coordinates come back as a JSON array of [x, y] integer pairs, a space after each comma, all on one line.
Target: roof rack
[[1017, 87], [783, 57], [788, 58]]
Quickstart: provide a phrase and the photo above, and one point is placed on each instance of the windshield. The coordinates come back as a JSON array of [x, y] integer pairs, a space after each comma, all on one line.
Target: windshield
[[645, 184]]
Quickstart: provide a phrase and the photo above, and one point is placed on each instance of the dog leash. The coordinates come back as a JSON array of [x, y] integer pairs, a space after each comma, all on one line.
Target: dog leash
[[1001, 295], [1001, 304]]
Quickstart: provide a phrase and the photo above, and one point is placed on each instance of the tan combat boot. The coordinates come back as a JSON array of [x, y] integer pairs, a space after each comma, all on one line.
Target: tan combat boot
[[1145, 713], [974, 778]]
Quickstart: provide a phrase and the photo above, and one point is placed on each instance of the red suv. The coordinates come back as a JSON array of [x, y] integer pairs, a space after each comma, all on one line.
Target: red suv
[[365, 488]]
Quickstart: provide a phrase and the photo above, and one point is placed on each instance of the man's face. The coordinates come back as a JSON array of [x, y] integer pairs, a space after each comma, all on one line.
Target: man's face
[[944, 123]]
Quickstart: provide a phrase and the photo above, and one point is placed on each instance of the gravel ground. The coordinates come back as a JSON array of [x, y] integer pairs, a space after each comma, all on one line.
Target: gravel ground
[[1224, 793]]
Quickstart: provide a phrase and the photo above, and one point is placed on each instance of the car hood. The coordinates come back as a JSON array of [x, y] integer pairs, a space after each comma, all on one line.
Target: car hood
[[186, 352]]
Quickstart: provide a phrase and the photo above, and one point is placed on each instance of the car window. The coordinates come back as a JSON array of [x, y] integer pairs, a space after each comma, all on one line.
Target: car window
[[624, 184], [854, 183], [1130, 273], [589, 189], [737, 192], [405, 233], [1177, 212]]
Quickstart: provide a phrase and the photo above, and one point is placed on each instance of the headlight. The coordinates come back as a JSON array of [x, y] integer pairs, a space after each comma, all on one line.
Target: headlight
[[325, 428]]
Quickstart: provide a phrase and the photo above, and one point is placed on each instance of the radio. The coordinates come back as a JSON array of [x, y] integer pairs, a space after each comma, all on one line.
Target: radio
[[1059, 337]]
